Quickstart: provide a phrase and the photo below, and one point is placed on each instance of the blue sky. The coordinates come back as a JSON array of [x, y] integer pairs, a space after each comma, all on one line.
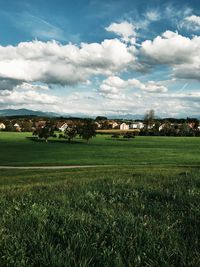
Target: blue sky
[[101, 57]]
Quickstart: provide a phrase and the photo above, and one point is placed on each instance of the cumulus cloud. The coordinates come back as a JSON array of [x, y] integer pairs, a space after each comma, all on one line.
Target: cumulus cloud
[[191, 23], [114, 85], [30, 87], [168, 104], [30, 67], [54, 63], [19, 98], [124, 29], [173, 49]]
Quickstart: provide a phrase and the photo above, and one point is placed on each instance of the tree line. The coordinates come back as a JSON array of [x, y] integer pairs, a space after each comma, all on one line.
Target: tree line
[[171, 127], [86, 130]]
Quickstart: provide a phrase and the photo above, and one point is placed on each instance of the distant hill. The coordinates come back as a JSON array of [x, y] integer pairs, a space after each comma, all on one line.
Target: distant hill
[[26, 112], [126, 117], [29, 112]]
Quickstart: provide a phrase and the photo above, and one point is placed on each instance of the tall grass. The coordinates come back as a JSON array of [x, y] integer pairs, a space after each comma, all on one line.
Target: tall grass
[[100, 217]]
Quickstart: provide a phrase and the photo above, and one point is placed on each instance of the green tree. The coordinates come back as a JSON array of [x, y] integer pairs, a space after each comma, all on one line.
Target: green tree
[[166, 130], [27, 126], [87, 130], [105, 125], [44, 132], [149, 119], [185, 129], [129, 135], [9, 126], [101, 118], [155, 129], [71, 132]]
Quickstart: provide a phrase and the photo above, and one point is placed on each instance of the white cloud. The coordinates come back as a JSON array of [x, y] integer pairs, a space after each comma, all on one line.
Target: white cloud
[[154, 87], [180, 52], [19, 98], [194, 19], [114, 85], [152, 15], [30, 87], [124, 29], [30, 67], [174, 14], [191, 23], [91, 104], [54, 63]]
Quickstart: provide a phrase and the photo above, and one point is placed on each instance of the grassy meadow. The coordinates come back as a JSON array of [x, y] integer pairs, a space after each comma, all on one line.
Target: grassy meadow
[[100, 217], [18, 149], [141, 211]]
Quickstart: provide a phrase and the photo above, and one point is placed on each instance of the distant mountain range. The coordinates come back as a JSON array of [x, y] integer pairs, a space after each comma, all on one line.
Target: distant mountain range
[[126, 117], [26, 112]]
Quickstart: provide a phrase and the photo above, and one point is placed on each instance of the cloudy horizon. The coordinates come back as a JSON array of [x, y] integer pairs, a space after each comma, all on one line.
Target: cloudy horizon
[[101, 57]]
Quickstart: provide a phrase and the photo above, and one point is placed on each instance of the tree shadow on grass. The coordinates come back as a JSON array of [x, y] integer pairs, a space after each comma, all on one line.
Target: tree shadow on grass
[[57, 141]]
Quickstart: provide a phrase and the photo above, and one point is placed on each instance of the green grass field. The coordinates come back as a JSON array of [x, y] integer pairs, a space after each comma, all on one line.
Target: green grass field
[[100, 217], [17, 149], [142, 211]]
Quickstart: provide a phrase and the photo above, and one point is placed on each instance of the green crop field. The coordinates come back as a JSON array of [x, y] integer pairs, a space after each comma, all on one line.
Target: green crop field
[[141, 211], [19, 149]]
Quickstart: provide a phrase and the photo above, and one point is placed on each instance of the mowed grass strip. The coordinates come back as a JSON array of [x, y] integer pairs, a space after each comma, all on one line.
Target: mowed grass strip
[[100, 217], [18, 149]]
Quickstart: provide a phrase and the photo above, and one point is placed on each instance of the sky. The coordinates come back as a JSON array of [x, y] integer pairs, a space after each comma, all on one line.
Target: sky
[[101, 57]]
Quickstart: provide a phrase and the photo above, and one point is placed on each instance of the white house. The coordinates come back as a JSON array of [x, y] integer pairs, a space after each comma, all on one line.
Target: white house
[[63, 127], [114, 124], [137, 125], [98, 125], [2, 126], [134, 126], [124, 126], [140, 125], [17, 127], [161, 127], [151, 126]]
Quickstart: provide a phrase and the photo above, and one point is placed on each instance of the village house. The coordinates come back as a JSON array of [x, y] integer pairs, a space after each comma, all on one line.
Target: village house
[[137, 125], [2, 126], [63, 127], [124, 126], [151, 126], [113, 124], [193, 125], [161, 127], [17, 127], [98, 125]]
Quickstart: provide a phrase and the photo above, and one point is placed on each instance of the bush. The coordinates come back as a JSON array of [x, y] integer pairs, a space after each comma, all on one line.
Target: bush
[[129, 135], [115, 135]]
